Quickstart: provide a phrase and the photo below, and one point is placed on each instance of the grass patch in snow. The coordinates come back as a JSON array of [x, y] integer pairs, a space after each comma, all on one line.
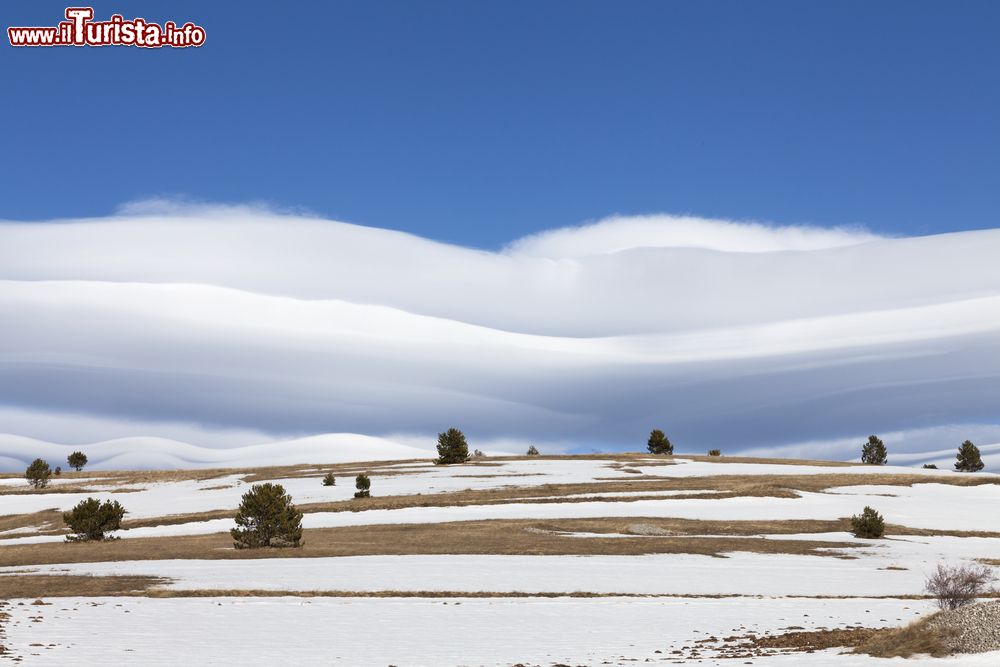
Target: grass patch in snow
[[66, 585]]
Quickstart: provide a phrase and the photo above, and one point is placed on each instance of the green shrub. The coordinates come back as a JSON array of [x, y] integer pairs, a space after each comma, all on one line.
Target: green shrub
[[930, 466], [532, 451], [363, 486], [869, 525], [329, 479], [58, 471], [873, 452], [38, 474], [658, 443], [714, 452], [452, 447], [77, 460], [91, 519], [968, 459], [267, 518]]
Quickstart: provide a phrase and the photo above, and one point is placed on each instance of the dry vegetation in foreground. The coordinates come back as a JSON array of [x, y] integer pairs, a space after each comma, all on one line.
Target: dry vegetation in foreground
[[922, 637], [918, 638], [66, 585], [507, 537]]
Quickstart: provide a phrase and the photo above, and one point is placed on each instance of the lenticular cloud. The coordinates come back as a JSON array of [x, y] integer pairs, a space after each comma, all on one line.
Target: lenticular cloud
[[226, 326]]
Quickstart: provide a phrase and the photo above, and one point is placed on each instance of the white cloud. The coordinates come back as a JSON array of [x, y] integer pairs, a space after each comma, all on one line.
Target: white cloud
[[619, 233], [238, 325]]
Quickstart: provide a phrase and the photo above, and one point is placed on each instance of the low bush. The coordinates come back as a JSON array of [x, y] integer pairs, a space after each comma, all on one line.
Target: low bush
[[478, 454], [38, 474], [58, 471], [869, 525], [930, 466], [329, 479], [91, 520], [714, 452], [532, 451], [363, 485], [958, 585]]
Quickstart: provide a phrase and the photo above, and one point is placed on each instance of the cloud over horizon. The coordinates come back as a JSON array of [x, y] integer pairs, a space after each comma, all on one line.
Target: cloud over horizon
[[227, 326]]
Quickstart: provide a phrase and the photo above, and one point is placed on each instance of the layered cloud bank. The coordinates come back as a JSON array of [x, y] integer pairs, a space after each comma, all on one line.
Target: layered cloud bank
[[234, 326]]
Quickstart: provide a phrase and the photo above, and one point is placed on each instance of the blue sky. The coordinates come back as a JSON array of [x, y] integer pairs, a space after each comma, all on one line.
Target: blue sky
[[480, 122]]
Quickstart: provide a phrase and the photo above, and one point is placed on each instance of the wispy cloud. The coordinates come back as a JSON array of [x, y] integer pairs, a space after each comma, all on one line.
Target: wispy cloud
[[216, 324]]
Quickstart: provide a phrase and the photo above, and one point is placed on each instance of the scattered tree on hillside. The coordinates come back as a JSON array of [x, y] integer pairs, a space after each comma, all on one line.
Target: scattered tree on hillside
[[452, 447], [267, 518], [959, 585], [658, 443], [91, 519], [869, 525], [968, 458], [930, 466], [532, 451], [58, 470], [478, 454], [873, 452], [329, 479], [363, 486], [38, 474], [77, 460], [714, 452]]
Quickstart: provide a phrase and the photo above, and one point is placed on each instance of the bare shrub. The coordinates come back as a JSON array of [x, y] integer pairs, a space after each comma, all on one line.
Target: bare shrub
[[954, 586]]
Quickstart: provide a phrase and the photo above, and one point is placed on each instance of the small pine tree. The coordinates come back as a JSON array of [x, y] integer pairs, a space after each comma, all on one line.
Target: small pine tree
[[38, 474], [329, 479], [452, 447], [532, 451], [658, 443], [363, 486], [869, 525], [478, 454], [873, 452], [968, 459], [714, 452], [267, 518], [77, 460], [58, 470], [91, 519]]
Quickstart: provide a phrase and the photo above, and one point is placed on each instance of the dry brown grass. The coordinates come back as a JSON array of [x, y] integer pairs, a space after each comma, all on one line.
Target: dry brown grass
[[59, 585], [771, 461], [511, 537], [42, 523], [918, 638]]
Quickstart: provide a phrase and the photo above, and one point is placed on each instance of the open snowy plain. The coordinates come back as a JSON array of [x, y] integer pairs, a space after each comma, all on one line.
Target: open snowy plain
[[581, 560]]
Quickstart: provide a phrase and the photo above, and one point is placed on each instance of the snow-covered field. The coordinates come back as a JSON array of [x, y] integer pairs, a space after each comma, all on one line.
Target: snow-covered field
[[497, 609], [411, 632]]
